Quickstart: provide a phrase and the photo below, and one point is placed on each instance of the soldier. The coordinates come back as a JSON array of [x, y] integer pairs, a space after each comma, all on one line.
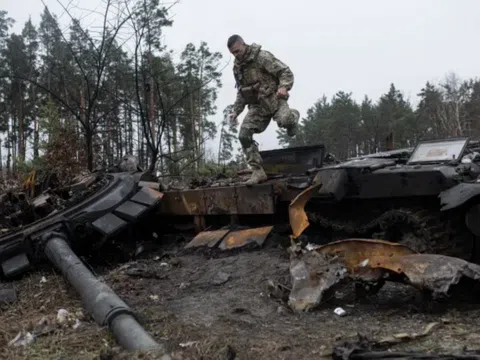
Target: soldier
[[263, 83]]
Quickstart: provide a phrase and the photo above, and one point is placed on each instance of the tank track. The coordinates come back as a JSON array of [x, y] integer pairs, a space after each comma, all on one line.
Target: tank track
[[424, 231]]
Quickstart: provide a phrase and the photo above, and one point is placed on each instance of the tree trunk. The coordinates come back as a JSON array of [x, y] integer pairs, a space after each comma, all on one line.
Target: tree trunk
[[107, 141], [1, 158], [194, 140], [220, 145], [130, 132], [120, 136], [140, 138], [151, 100], [36, 136], [153, 161], [14, 143], [200, 120], [169, 148], [89, 146], [9, 151], [175, 144], [21, 133]]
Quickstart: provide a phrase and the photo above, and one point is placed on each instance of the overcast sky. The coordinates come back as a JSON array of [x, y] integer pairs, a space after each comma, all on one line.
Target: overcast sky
[[350, 45]]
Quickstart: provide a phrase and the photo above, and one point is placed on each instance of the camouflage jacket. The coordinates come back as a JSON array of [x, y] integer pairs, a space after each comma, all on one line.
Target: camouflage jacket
[[258, 77]]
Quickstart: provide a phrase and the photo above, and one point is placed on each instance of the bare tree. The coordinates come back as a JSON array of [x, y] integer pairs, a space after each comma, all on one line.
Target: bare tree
[[451, 114], [159, 93], [82, 100]]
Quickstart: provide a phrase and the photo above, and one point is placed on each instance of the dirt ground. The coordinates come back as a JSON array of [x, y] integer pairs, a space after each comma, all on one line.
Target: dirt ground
[[218, 307]]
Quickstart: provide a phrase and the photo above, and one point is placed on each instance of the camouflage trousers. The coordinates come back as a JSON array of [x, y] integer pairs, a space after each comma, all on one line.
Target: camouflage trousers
[[256, 121]]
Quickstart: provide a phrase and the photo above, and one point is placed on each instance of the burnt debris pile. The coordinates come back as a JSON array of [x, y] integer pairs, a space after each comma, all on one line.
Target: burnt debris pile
[[20, 207]]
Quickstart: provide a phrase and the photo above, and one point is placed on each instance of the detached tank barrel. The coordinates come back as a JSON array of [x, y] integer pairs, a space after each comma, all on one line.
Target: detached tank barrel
[[99, 299]]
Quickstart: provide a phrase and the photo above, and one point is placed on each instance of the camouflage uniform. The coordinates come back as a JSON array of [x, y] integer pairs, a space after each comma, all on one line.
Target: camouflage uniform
[[258, 77]]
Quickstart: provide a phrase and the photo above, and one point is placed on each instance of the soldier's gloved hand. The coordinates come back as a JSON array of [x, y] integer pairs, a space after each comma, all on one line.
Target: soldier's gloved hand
[[233, 119], [282, 92]]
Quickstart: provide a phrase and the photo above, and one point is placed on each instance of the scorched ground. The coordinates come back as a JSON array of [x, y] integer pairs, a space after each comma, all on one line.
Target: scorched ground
[[219, 306]]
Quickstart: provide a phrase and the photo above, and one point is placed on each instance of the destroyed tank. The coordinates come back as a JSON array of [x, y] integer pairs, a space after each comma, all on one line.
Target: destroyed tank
[[426, 197]]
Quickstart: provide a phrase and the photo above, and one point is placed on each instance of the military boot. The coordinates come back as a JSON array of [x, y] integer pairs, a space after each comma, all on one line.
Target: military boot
[[258, 176], [292, 129], [255, 161]]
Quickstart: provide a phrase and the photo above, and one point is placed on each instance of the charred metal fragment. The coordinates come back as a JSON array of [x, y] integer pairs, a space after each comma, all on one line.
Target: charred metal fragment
[[313, 275], [357, 253], [241, 238], [373, 261], [366, 349], [296, 210], [207, 238], [321, 268], [15, 265], [435, 273], [458, 195]]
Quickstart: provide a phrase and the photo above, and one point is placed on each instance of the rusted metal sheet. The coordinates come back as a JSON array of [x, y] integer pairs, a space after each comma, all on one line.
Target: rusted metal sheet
[[221, 201], [240, 238], [207, 238], [296, 210], [360, 252], [188, 202], [258, 199]]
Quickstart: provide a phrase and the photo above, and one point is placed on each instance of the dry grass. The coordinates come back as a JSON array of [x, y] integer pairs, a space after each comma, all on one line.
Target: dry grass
[[38, 301]]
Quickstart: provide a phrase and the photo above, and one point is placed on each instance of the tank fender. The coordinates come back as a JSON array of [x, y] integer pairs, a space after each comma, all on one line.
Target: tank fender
[[458, 195]]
